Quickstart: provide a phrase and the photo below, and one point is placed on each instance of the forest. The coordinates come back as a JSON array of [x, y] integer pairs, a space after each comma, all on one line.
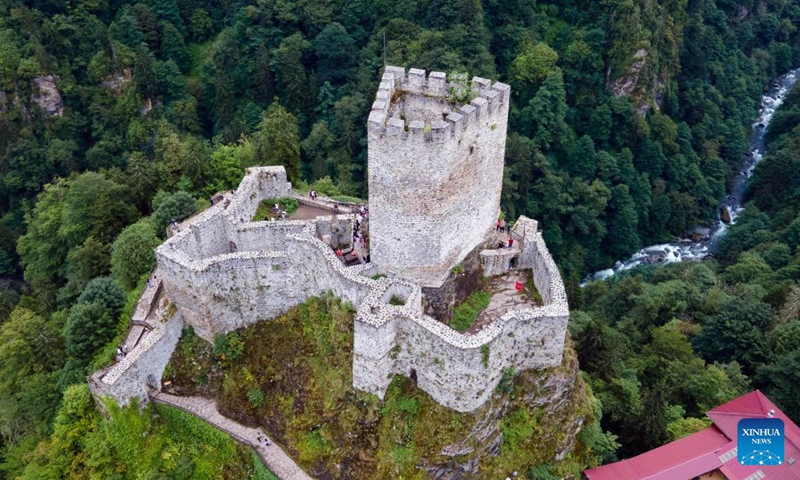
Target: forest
[[628, 119]]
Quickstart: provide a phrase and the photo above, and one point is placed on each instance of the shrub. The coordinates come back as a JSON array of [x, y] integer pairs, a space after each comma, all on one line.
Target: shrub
[[505, 385], [228, 346], [178, 205], [264, 211], [256, 396]]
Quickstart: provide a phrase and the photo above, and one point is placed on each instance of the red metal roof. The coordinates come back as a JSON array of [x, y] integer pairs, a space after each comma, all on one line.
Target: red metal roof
[[700, 453], [756, 405], [753, 405], [685, 458]]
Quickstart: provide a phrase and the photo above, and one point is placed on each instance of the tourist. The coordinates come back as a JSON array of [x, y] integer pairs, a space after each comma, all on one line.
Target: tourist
[[339, 253], [510, 242]]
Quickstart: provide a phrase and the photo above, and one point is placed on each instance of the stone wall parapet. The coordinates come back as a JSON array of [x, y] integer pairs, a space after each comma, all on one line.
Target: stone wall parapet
[[490, 104]]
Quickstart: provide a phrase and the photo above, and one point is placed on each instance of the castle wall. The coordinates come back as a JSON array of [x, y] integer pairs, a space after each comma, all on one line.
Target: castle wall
[[435, 173], [260, 183], [141, 367], [233, 290], [258, 236], [458, 370]]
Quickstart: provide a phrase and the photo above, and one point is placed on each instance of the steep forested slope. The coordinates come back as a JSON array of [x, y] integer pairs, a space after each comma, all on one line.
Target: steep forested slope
[[628, 116], [663, 345]]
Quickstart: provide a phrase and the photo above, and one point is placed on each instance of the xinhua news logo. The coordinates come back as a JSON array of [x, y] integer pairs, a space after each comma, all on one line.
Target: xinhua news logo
[[760, 441]]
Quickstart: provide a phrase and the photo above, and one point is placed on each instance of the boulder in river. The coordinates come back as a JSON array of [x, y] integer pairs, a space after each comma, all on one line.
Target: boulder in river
[[725, 214], [701, 233]]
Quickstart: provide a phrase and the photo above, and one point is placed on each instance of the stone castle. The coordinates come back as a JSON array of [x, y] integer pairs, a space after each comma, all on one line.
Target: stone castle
[[435, 178]]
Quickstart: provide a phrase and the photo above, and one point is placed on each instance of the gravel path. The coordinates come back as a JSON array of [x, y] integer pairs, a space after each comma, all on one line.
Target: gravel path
[[273, 456]]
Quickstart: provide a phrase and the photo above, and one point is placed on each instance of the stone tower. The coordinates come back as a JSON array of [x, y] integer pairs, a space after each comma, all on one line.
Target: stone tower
[[435, 172]]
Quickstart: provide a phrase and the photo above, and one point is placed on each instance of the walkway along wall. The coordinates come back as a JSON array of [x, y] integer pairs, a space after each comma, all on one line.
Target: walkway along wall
[[141, 369]]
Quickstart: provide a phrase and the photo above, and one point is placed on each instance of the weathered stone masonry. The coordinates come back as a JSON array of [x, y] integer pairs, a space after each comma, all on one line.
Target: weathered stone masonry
[[435, 172], [224, 272]]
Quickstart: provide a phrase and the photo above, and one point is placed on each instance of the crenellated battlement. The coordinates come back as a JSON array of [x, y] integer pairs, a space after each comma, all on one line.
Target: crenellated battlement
[[445, 118], [435, 171]]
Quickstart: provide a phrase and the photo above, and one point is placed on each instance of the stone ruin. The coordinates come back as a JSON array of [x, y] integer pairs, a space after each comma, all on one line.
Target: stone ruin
[[222, 271]]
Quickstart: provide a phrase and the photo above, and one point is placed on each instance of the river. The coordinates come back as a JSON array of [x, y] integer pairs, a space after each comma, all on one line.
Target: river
[[686, 249]]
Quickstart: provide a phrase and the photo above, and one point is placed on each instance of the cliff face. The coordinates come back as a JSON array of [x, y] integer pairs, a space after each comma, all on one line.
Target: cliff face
[[293, 377], [44, 93], [536, 423], [47, 96], [645, 89]]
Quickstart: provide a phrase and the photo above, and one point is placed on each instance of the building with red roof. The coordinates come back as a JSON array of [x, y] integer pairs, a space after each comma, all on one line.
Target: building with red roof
[[711, 453]]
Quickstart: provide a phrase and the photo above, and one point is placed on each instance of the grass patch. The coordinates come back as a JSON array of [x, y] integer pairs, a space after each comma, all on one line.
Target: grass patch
[[264, 210], [465, 314], [531, 291], [396, 301]]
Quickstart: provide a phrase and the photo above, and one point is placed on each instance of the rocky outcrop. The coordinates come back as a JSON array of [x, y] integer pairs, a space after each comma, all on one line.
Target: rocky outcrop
[[117, 81], [631, 84], [47, 96]]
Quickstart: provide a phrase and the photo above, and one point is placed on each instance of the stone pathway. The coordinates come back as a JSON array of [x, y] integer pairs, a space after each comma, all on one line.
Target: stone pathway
[[273, 456], [144, 311], [504, 298], [321, 202]]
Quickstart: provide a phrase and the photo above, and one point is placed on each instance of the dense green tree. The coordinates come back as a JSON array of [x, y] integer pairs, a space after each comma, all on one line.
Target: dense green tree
[[169, 207], [104, 291], [533, 64], [317, 151], [623, 221], [32, 348], [89, 327], [736, 332], [544, 116], [132, 254], [336, 54], [277, 141], [173, 47], [94, 206], [89, 260]]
